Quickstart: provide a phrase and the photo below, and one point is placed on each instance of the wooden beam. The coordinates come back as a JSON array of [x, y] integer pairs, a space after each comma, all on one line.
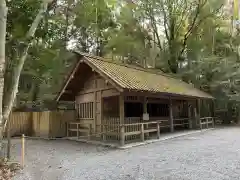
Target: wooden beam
[[69, 79], [93, 90], [67, 92], [171, 115], [160, 95]]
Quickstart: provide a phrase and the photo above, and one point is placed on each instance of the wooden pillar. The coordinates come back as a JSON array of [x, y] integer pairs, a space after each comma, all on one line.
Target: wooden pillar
[[76, 110], [103, 132], [145, 111], [142, 132], [196, 121], [199, 111], [67, 128], [171, 115], [78, 131], [195, 118], [189, 116], [102, 127], [144, 104], [121, 116], [207, 122], [90, 131], [158, 130], [95, 105], [213, 113]]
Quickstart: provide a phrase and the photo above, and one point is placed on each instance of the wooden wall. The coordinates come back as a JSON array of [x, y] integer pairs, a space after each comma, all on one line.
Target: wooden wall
[[95, 89], [20, 123], [48, 124], [40, 124], [58, 123]]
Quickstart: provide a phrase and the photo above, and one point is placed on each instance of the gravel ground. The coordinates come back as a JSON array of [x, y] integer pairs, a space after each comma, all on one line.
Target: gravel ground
[[212, 155]]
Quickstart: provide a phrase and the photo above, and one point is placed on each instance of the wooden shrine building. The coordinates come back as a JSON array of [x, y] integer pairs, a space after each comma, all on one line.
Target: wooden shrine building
[[118, 102]]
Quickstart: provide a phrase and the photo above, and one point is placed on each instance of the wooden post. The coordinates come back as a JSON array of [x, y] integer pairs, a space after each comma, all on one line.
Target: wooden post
[[95, 103], [213, 113], [171, 115], [158, 130], [207, 122], [77, 130], [145, 111], [199, 111], [122, 116], [9, 140], [101, 115], [90, 131], [142, 132], [200, 123], [122, 135], [23, 150], [67, 129], [104, 132], [189, 116], [195, 118]]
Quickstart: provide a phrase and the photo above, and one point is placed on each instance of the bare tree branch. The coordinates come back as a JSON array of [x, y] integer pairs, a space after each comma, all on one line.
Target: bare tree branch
[[153, 24], [165, 20], [185, 8], [195, 24]]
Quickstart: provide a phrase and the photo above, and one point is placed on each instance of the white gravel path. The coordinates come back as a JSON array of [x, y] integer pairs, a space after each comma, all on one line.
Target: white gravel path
[[212, 155]]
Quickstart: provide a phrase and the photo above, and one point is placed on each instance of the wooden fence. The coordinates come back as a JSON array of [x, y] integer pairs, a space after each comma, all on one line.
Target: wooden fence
[[48, 124], [20, 123], [205, 122]]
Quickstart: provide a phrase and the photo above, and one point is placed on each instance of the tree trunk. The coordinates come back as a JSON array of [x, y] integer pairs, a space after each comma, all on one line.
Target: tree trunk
[[17, 71], [3, 23]]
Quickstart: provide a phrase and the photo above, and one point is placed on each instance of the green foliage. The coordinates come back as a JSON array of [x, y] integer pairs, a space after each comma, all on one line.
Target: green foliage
[[189, 38]]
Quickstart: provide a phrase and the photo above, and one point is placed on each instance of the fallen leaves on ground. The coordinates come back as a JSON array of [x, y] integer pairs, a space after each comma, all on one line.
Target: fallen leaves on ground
[[8, 169]]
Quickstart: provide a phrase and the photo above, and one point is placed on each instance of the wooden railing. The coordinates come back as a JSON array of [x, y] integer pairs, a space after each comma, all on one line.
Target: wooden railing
[[79, 129], [206, 121], [181, 121], [110, 130], [130, 131]]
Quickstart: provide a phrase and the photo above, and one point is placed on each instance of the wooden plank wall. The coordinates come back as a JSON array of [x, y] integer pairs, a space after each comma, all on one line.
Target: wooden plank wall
[[94, 90], [40, 126], [58, 123], [20, 123], [47, 124]]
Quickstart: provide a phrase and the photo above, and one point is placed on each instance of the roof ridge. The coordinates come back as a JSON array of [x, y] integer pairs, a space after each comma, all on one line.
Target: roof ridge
[[110, 60]]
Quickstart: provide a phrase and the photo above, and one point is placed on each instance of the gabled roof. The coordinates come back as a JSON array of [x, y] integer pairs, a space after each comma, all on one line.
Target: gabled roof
[[133, 78]]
